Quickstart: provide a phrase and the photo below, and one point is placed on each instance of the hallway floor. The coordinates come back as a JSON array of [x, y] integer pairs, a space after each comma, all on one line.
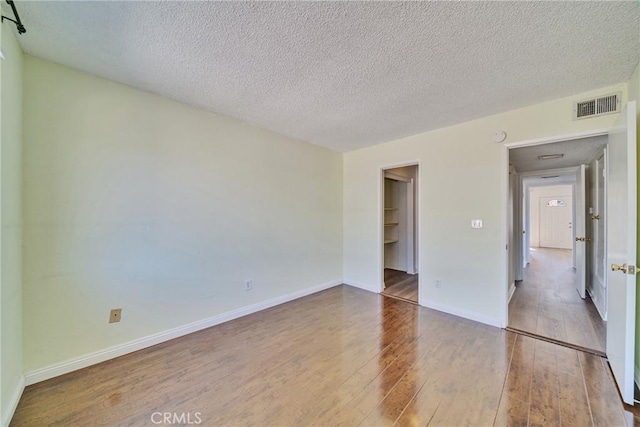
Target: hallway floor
[[401, 285], [546, 302]]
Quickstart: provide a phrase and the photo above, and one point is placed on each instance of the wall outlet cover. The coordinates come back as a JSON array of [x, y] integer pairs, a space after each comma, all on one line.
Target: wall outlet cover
[[115, 315]]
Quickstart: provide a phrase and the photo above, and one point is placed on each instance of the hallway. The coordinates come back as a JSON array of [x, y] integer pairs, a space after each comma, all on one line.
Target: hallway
[[546, 302]]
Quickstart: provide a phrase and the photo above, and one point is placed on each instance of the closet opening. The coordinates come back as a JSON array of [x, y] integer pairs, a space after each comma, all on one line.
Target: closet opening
[[400, 276]]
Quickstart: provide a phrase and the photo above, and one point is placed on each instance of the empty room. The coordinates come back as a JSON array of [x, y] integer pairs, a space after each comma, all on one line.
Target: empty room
[[319, 213]]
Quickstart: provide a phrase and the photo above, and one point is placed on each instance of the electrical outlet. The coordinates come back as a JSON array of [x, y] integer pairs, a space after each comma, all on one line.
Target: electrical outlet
[[248, 285], [115, 315], [438, 284]]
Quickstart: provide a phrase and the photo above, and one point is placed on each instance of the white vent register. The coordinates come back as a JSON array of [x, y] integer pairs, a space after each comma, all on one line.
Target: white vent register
[[597, 106]]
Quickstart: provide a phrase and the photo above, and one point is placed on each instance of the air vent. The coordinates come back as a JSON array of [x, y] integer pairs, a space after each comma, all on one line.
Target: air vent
[[585, 109], [608, 104], [597, 106]]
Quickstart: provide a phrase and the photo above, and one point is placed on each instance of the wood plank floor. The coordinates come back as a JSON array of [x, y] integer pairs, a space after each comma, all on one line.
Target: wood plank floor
[[547, 303], [401, 285], [339, 357]]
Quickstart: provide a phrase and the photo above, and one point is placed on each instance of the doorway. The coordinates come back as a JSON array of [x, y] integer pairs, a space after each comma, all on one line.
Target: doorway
[[618, 232], [553, 293], [400, 276]]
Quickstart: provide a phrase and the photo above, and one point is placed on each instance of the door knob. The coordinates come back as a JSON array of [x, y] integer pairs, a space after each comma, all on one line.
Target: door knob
[[616, 267], [595, 217], [583, 239]]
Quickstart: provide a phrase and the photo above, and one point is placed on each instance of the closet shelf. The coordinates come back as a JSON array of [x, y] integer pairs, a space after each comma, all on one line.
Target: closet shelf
[[387, 241], [390, 224], [390, 209]]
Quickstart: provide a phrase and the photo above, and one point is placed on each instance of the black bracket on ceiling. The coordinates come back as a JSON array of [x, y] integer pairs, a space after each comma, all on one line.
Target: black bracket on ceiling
[[17, 21]]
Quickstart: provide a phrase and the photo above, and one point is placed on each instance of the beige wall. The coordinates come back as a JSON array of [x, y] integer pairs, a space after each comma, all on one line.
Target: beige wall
[[11, 367], [139, 202], [461, 178]]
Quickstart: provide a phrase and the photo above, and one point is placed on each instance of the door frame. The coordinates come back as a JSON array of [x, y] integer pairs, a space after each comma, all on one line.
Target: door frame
[[504, 315], [603, 237], [573, 212], [525, 186], [381, 175]]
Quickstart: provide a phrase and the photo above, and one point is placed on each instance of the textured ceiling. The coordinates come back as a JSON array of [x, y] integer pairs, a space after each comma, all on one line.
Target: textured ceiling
[[344, 74], [576, 153]]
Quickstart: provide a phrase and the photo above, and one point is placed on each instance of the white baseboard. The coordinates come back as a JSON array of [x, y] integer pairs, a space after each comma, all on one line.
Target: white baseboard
[[13, 403], [471, 315], [361, 285], [440, 307], [512, 290], [74, 364]]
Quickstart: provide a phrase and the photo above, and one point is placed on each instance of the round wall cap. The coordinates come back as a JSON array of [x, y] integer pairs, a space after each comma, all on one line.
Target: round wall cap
[[498, 136]]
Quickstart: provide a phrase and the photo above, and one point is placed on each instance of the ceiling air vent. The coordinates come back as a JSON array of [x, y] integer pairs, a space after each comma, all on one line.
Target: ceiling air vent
[[597, 106]]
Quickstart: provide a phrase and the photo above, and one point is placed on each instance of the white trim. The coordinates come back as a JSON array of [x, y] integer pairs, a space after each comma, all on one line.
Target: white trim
[[74, 364], [400, 164], [503, 315], [558, 138], [471, 315], [518, 238], [13, 403], [361, 285], [512, 290]]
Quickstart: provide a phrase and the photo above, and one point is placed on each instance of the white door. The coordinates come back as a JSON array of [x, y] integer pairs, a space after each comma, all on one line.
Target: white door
[[556, 215], [597, 287], [621, 249], [581, 232], [512, 226]]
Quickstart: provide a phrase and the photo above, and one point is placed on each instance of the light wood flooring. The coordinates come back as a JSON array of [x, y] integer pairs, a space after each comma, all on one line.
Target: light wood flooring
[[401, 285], [546, 302], [343, 356]]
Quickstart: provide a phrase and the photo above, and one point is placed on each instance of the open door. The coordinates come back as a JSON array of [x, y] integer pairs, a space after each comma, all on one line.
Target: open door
[[621, 249], [581, 232]]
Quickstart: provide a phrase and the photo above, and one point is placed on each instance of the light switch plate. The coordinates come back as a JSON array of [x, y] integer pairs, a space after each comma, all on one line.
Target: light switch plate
[[476, 223]]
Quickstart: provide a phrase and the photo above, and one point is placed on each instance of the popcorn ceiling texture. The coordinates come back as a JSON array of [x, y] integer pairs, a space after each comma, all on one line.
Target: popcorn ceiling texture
[[344, 74]]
